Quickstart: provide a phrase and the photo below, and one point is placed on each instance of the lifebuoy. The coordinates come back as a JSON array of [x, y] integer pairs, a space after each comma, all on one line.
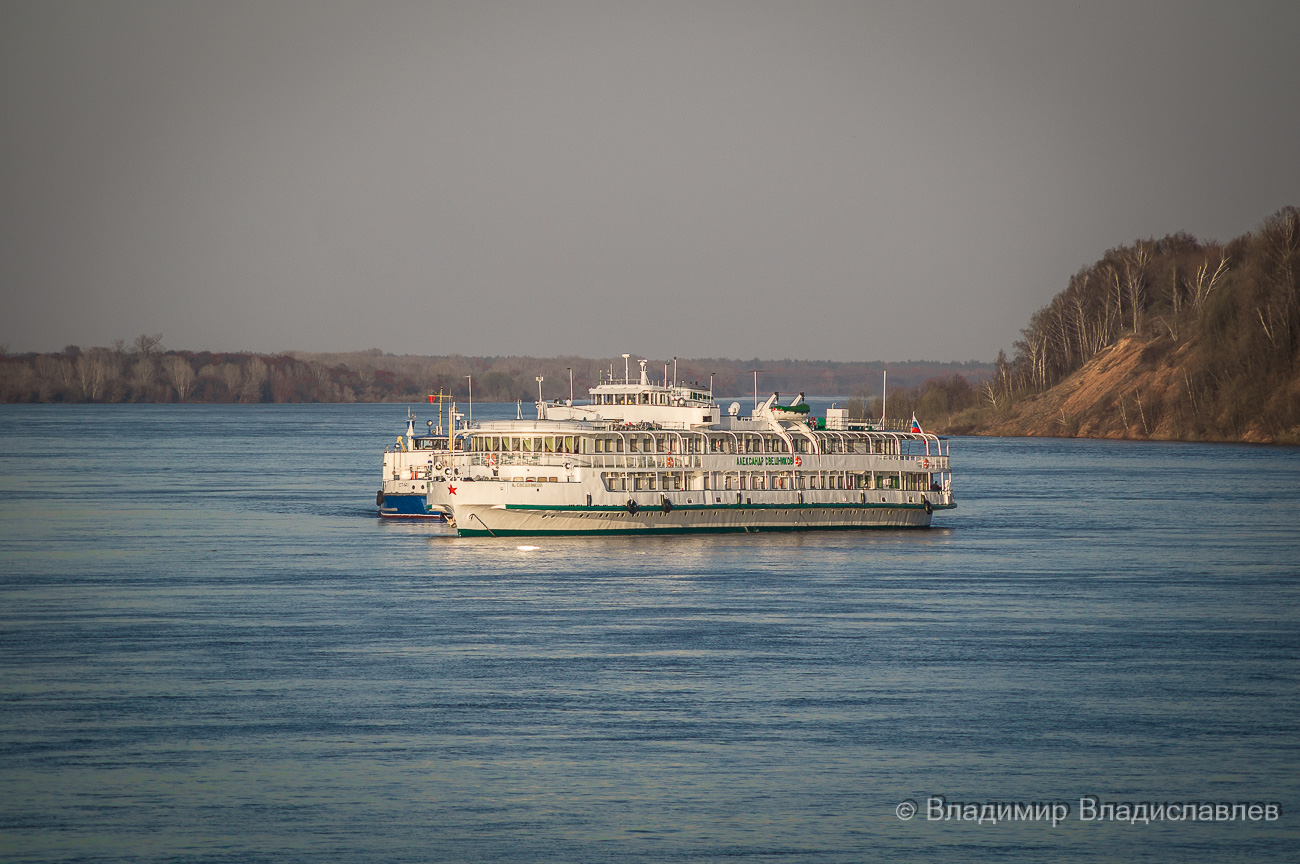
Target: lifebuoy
[[492, 459], [925, 463], [631, 506], [670, 461], [797, 461]]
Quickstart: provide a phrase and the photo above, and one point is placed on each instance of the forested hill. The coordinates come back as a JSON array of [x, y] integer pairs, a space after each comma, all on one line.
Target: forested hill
[[1172, 338], [144, 371]]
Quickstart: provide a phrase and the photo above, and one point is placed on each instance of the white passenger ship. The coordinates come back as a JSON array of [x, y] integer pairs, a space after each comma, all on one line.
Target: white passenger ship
[[663, 458]]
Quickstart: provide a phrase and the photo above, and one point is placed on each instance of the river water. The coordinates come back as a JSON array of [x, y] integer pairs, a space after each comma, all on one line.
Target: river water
[[211, 650]]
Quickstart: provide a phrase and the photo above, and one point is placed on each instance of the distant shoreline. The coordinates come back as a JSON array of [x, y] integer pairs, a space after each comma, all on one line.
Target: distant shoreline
[[145, 372]]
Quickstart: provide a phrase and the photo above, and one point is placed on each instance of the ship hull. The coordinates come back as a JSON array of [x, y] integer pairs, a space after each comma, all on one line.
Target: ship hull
[[408, 506], [508, 520]]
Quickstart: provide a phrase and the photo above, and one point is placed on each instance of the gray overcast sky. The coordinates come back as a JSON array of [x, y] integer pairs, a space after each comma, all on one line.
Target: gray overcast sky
[[842, 181]]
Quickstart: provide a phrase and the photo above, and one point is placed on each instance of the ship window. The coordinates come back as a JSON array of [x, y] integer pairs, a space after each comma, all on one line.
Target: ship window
[[632, 445]]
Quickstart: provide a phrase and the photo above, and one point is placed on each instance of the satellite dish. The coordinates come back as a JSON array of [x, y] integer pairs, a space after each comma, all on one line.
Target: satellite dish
[[733, 409]]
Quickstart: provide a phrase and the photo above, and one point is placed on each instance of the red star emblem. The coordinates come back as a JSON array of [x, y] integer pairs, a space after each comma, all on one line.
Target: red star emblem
[[451, 490]]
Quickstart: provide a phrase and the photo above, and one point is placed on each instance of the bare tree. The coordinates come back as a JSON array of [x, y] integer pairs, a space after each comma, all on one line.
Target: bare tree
[[180, 374], [147, 344], [233, 377], [1135, 281], [96, 368], [145, 373], [255, 375], [1203, 283]]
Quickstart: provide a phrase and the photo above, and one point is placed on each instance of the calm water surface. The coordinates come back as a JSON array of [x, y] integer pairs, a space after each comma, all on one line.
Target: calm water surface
[[211, 650]]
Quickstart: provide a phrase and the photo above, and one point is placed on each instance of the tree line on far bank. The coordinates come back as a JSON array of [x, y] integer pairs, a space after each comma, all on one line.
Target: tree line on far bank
[[145, 371]]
